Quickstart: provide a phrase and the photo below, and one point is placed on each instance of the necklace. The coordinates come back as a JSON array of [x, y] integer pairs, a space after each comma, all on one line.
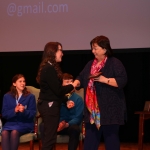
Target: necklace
[[49, 62]]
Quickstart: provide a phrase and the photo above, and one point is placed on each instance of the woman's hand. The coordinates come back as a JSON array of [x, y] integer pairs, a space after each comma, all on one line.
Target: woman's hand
[[101, 78], [21, 108], [76, 83], [70, 104], [17, 108], [109, 81]]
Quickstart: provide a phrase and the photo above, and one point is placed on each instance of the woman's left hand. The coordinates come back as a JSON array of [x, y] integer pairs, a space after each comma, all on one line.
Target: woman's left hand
[[101, 78], [70, 104], [108, 81]]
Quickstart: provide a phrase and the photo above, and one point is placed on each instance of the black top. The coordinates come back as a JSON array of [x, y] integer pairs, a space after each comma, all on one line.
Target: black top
[[111, 99], [50, 85]]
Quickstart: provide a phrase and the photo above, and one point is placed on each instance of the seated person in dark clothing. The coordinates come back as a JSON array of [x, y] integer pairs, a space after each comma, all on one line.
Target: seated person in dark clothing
[[70, 119]]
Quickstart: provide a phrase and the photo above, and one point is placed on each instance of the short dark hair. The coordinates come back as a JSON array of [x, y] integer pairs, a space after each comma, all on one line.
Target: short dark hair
[[104, 43], [67, 76]]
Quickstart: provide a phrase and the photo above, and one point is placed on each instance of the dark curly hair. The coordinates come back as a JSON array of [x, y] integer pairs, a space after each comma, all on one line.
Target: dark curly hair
[[49, 54]]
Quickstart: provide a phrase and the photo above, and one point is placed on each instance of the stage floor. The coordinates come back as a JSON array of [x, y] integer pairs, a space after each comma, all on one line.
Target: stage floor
[[124, 146]]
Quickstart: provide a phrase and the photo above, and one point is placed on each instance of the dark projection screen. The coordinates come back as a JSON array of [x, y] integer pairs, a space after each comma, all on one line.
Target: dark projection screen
[[27, 25]]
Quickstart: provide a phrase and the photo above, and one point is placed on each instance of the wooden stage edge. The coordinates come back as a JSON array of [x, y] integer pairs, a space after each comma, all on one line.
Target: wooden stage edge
[[124, 146]]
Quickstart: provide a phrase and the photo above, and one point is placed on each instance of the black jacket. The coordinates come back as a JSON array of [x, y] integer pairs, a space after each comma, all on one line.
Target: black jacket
[[51, 88], [111, 99]]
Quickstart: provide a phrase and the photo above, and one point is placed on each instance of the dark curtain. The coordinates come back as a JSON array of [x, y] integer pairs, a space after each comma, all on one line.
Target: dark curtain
[[136, 62]]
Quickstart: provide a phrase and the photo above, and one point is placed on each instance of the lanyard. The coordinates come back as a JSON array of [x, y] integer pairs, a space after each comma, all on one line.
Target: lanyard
[[17, 100]]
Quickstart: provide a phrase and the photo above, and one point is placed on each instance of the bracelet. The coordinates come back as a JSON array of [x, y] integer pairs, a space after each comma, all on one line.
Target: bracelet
[[108, 80]]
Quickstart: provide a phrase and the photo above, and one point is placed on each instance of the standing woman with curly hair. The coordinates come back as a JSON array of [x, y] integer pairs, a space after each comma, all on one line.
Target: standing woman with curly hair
[[52, 93], [19, 110]]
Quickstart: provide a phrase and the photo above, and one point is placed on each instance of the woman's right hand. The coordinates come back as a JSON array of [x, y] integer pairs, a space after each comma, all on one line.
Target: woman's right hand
[[76, 83], [17, 108]]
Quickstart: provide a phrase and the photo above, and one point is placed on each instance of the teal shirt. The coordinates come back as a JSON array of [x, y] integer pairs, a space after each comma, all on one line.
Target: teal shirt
[[73, 115]]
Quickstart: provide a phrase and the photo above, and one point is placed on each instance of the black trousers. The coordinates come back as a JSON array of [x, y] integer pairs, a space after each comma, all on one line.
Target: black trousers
[[50, 117], [93, 136], [74, 132]]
